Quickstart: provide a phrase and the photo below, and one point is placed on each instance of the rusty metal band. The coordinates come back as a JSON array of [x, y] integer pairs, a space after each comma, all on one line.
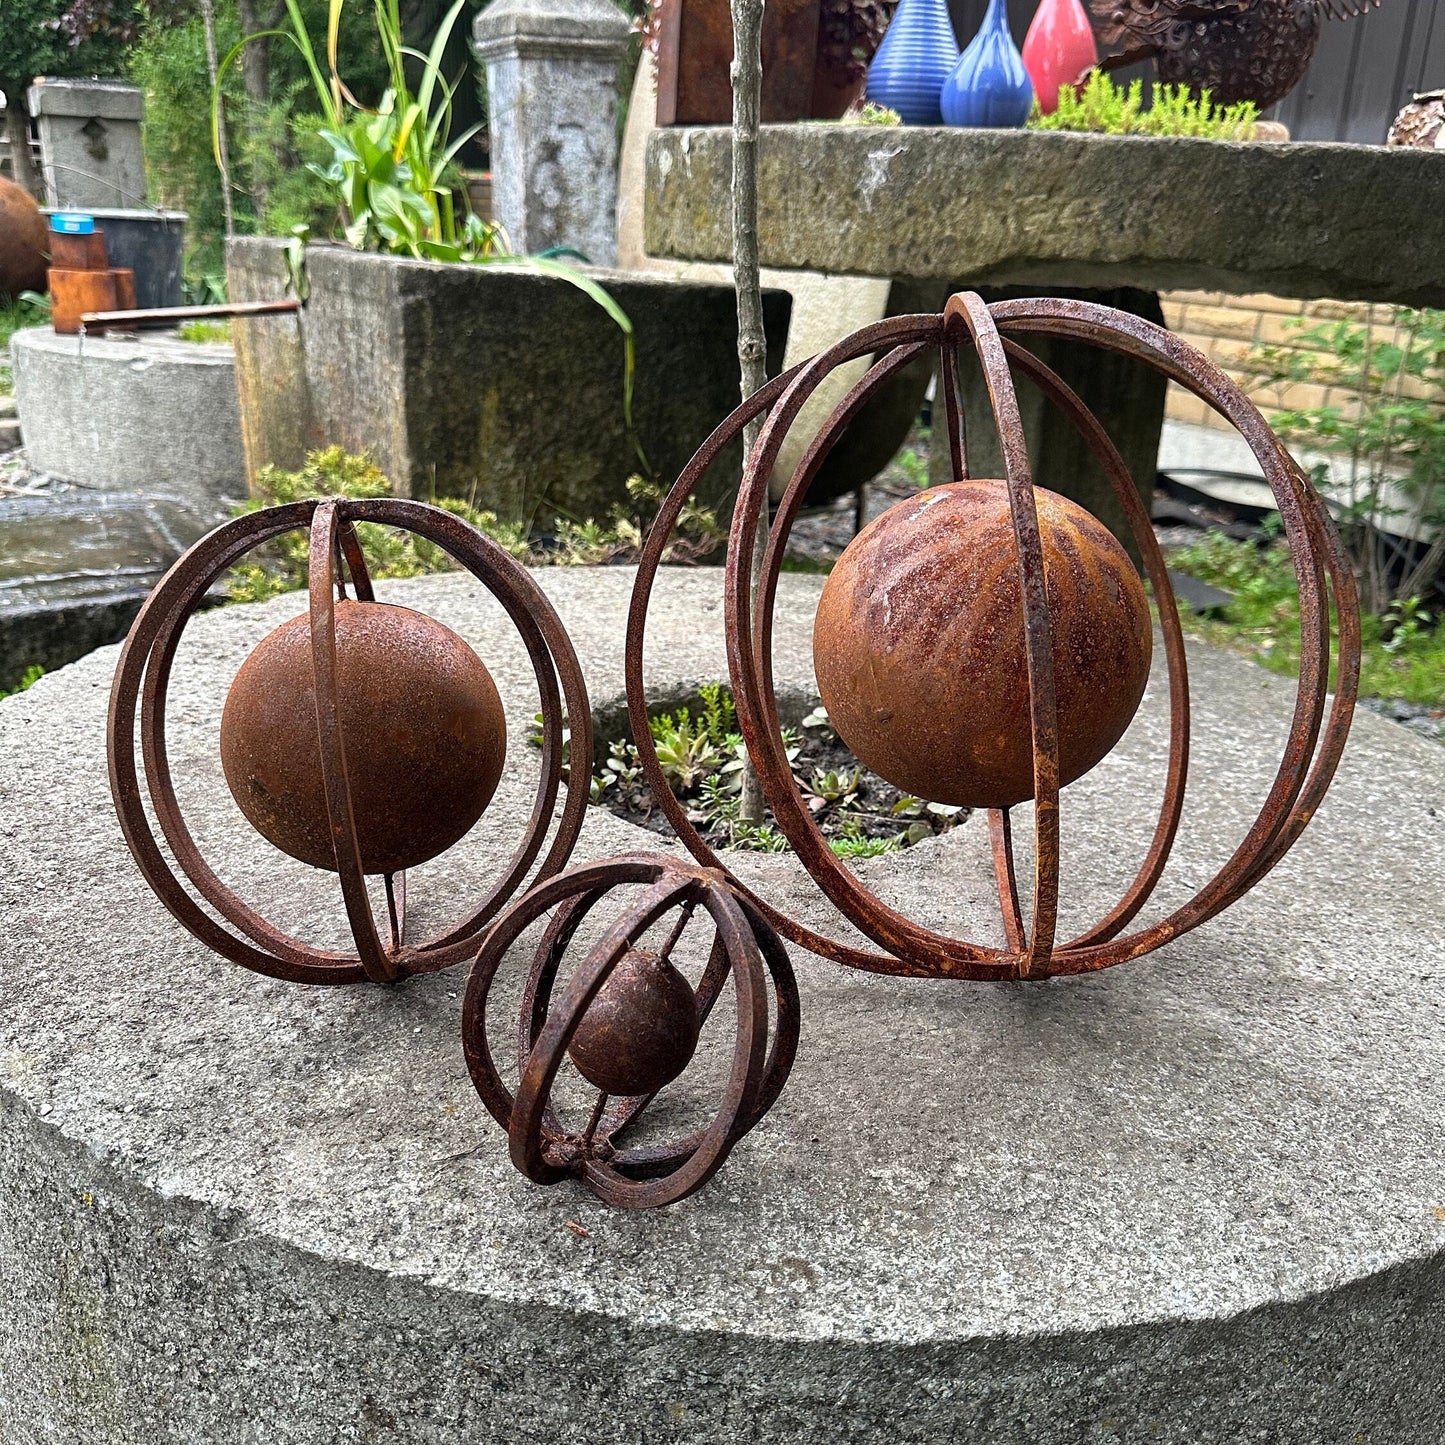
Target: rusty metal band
[[858, 904], [1306, 769], [378, 964], [142, 679], [966, 314], [636, 1176]]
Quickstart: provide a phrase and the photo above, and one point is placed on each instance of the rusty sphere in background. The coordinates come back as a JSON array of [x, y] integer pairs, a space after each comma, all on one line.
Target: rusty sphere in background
[[640, 1032], [422, 727], [919, 644], [24, 241]]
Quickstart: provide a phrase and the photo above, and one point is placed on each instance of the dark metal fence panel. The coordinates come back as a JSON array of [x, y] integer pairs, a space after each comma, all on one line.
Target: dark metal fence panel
[[1364, 71]]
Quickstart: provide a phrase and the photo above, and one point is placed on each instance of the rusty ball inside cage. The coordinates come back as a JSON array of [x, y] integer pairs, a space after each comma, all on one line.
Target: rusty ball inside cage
[[640, 1032], [920, 652], [422, 728]]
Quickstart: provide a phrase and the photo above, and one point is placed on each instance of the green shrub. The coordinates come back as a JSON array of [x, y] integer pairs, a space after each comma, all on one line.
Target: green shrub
[[1174, 110], [1386, 414], [332, 472]]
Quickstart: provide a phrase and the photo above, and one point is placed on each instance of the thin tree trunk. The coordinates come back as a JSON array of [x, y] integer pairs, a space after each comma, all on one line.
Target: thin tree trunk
[[223, 157], [17, 130], [747, 77], [256, 77]]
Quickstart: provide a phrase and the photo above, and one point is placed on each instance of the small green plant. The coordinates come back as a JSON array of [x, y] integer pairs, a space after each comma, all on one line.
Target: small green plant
[[1386, 416], [392, 170], [871, 113], [282, 565], [204, 333], [853, 843], [28, 679], [1263, 621], [1407, 624], [332, 472], [1173, 110]]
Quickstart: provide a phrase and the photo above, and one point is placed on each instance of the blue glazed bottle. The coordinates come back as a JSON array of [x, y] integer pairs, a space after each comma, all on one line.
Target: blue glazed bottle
[[917, 55], [989, 85]]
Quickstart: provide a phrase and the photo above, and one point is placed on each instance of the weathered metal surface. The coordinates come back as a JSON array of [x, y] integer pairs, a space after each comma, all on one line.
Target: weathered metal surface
[[166, 316], [138, 714], [640, 1032], [695, 53], [422, 728], [919, 644], [1311, 753], [1255, 50], [744, 948]]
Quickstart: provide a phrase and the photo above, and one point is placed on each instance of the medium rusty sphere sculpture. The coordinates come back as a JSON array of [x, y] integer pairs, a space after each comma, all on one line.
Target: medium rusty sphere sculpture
[[421, 724], [361, 738], [629, 1020], [920, 653], [987, 642]]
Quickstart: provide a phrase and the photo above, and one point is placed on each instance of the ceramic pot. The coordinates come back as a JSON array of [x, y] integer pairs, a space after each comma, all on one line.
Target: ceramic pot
[[915, 59], [989, 86], [1058, 49]]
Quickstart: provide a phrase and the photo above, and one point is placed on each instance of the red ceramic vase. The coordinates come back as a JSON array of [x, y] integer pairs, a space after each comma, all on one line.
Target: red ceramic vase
[[1058, 49]]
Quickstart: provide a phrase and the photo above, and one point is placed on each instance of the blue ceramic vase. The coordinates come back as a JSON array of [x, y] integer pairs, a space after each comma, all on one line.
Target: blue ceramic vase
[[917, 55], [989, 85]]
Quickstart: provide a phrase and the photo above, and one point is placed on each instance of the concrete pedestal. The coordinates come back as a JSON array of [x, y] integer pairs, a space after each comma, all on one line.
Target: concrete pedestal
[[1196, 1199], [152, 415], [552, 97]]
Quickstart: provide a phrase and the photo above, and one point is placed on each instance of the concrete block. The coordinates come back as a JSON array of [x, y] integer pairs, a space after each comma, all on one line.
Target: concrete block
[[552, 87], [1052, 208]]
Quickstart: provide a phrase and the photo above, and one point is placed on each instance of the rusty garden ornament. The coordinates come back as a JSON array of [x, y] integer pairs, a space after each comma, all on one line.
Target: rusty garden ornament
[[630, 1023], [361, 738], [1048, 703]]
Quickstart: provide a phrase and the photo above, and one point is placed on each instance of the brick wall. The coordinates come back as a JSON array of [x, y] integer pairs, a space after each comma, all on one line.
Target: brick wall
[[1226, 327]]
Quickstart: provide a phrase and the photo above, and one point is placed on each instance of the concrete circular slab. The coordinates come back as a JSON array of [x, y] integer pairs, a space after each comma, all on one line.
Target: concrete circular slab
[[1198, 1198]]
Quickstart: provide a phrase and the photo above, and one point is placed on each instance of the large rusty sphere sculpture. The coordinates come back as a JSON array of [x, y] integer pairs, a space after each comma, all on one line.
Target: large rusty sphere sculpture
[[920, 654], [360, 738], [421, 722], [987, 642], [630, 1022]]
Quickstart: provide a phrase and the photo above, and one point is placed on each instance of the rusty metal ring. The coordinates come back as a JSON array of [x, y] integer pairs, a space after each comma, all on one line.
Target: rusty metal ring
[[745, 947], [1310, 756], [141, 684]]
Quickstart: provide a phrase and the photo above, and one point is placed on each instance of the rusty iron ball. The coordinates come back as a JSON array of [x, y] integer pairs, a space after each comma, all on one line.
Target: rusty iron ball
[[640, 1031], [920, 654], [422, 727]]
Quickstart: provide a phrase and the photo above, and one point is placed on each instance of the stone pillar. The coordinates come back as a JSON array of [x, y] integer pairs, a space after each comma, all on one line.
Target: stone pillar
[[90, 150], [552, 85]]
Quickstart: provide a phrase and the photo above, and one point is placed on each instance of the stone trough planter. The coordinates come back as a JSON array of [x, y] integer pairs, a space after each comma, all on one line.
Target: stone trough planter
[[493, 384]]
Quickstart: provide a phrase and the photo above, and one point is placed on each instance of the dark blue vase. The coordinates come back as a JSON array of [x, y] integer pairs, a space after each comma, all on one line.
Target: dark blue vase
[[917, 55], [989, 85]]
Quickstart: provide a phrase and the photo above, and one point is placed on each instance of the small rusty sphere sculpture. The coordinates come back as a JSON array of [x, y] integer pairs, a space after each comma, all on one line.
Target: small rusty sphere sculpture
[[630, 1023], [920, 654], [641, 1030], [987, 642], [421, 723], [361, 738]]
